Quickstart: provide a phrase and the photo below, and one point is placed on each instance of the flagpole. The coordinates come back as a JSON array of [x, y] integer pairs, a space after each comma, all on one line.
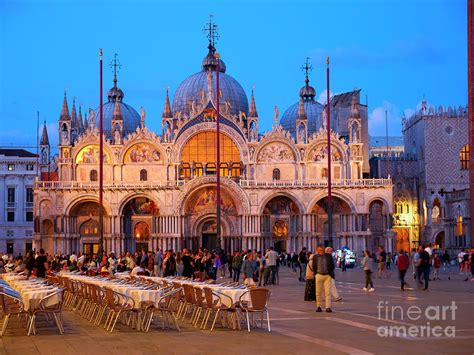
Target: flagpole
[[101, 168], [37, 142], [218, 160], [328, 126]]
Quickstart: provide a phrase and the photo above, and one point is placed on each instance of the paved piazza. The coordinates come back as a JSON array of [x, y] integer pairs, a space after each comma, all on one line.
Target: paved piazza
[[296, 328]]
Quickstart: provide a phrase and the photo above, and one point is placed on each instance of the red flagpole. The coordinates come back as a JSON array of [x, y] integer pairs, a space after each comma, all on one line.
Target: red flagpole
[[101, 169], [328, 126], [218, 162]]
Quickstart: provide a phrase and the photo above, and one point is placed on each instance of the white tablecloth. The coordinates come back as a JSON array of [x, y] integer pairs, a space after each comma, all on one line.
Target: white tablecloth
[[233, 293], [138, 294], [31, 291]]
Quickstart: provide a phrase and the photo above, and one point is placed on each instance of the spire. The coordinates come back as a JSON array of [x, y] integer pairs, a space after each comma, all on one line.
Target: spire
[[307, 92], [117, 111], [115, 92], [167, 109], [209, 62], [354, 109], [80, 124], [64, 110], [253, 107], [44, 136], [86, 123], [301, 115], [73, 113]]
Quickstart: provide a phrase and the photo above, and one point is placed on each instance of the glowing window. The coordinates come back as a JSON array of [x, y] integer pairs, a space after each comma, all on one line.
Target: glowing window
[[201, 149], [464, 157]]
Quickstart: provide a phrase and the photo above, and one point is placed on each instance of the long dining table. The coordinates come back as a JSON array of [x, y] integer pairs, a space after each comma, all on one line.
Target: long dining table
[[138, 293], [233, 292], [30, 291]]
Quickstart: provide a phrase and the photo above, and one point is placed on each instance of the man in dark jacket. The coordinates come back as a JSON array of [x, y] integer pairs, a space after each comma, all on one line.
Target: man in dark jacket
[[303, 260], [424, 266], [323, 267]]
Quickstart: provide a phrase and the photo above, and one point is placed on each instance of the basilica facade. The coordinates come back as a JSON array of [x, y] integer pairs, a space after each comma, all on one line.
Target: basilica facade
[[160, 190]]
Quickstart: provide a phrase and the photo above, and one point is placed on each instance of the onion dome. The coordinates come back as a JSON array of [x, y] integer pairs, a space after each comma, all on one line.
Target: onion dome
[[195, 87], [308, 106], [130, 117], [209, 62]]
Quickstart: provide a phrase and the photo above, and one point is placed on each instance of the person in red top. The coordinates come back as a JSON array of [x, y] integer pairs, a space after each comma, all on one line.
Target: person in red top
[[436, 265], [402, 263]]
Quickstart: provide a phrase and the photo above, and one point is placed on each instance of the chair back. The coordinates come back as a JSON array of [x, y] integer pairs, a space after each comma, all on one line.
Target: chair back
[[259, 298], [208, 297], [45, 303], [198, 296]]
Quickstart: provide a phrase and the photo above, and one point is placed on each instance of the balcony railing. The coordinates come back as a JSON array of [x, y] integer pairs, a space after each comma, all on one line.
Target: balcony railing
[[11, 204], [76, 185], [315, 183]]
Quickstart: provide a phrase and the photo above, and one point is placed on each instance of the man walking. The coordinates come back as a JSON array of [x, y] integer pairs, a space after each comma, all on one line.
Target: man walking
[[271, 259], [334, 294], [323, 267], [424, 266], [303, 260]]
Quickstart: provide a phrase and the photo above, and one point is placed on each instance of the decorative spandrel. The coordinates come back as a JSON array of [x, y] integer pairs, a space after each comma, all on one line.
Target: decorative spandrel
[[206, 200], [275, 153], [320, 153], [90, 155], [142, 153]]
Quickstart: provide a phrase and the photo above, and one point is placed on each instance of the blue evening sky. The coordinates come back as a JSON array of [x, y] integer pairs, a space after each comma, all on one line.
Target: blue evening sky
[[396, 51]]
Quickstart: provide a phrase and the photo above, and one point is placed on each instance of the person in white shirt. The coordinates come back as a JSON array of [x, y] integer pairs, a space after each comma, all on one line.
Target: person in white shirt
[[73, 257], [138, 270], [271, 258]]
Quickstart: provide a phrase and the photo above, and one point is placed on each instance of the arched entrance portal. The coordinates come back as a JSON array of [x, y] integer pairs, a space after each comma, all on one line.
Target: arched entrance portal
[[281, 223], [341, 220], [201, 222], [138, 216], [85, 218], [377, 225], [439, 240], [209, 234]]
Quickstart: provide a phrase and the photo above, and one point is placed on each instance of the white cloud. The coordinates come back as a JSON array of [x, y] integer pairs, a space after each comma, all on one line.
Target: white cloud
[[322, 98]]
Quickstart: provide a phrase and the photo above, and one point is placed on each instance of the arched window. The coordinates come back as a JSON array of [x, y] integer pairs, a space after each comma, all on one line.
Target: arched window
[[276, 174], [201, 148], [143, 175], [93, 175], [464, 157]]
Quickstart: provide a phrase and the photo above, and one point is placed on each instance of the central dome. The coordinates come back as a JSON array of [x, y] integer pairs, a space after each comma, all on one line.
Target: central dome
[[131, 118], [192, 87]]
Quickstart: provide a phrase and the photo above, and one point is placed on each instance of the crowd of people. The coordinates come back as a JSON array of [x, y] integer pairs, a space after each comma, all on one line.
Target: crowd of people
[[253, 267], [426, 263]]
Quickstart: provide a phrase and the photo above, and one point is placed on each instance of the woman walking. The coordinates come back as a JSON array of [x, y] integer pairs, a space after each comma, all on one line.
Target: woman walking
[[367, 266]]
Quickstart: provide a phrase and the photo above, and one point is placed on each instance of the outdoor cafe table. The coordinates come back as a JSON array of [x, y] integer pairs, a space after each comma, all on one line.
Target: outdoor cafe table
[[31, 291], [233, 292], [137, 293]]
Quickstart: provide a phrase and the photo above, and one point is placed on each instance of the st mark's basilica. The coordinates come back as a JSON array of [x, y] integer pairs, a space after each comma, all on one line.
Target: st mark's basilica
[[160, 190]]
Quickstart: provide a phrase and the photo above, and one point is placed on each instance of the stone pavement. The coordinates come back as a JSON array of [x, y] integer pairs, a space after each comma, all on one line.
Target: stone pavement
[[354, 327]]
